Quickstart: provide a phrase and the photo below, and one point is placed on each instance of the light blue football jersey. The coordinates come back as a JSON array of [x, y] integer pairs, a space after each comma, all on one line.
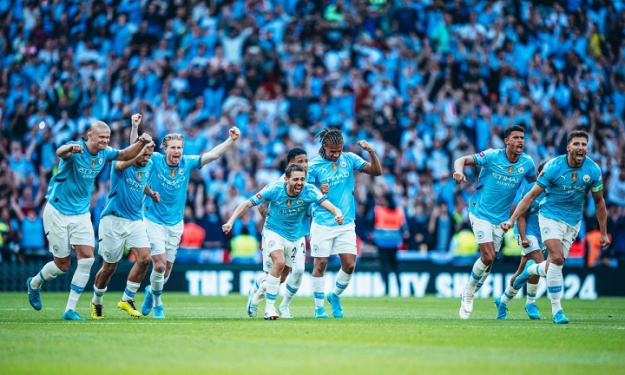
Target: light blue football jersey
[[71, 188], [340, 176], [567, 188], [286, 214], [498, 183], [308, 216], [171, 183], [531, 219], [126, 192]]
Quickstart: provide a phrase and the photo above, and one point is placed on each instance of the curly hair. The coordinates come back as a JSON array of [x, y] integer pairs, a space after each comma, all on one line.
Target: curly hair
[[329, 136]]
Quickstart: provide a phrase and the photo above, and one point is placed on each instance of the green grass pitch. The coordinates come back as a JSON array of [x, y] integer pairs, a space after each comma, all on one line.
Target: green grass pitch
[[203, 335]]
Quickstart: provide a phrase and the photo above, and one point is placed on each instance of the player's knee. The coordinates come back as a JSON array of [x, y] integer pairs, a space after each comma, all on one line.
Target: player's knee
[[143, 260], [487, 258], [320, 266], [159, 267], [63, 264], [348, 268], [279, 264], [109, 268], [557, 259]]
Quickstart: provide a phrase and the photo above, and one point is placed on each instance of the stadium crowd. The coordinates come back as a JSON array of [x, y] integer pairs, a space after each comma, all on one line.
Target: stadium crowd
[[424, 81]]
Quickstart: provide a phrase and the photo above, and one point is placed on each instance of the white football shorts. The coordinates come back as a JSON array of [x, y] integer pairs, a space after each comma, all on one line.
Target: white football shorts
[[116, 233], [63, 231]]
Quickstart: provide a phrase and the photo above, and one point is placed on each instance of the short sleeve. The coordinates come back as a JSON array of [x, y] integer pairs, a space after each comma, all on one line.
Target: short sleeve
[[546, 176], [357, 162], [315, 195], [484, 157], [261, 196], [193, 161], [597, 181], [111, 153]]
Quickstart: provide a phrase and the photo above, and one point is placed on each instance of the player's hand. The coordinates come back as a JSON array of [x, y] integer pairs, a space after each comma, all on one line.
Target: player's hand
[[365, 145], [604, 240], [226, 227], [324, 188], [136, 120], [506, 225], [459, 177], [145, 138], [235, 133], [75, 149], [156, 197], [339, 219], [525, 242]]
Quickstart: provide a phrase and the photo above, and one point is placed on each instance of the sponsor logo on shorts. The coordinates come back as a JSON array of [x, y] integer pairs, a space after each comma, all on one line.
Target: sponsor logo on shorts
[[55, 249], [335, 166], [586, 178], [546, 230], [574, 176], [268, 264], [107, 254], [272, 243], [315, 249], [480, 235]]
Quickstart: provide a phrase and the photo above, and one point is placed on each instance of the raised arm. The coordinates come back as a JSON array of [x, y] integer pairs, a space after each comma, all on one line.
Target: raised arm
[[121, 165], [374, 168], [602, 218], [65, 151], [220, 149], [238, 212], [134, 131], [459, 168], [338, 215], [524, 204], [134, 149]]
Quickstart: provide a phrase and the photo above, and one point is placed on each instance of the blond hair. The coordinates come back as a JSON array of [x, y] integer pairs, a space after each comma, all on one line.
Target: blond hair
[[99, 125], [172, 137]]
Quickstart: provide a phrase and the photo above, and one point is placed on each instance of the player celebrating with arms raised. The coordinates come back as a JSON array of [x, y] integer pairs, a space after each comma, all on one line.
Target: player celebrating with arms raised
[[164, 221], [567, 180], [335, 168], [500, 177], [284, 230], [66, 217]]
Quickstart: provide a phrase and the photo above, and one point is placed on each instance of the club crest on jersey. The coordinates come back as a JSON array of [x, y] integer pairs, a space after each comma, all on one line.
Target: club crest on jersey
[[139, 175], [288, 203], [172, 173], [586, 178], [574, 176], [335, 166], [510, 169], [92, 163], [521, 169], [299, 201], [181, 170], [100, 161], [343, 164]]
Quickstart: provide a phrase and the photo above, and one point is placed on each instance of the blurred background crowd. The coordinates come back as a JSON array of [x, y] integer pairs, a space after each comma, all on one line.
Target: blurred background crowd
[[425, 81]]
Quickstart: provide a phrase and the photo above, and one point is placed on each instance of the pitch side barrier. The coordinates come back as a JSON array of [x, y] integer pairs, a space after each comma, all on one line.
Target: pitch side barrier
[[416, 280]]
